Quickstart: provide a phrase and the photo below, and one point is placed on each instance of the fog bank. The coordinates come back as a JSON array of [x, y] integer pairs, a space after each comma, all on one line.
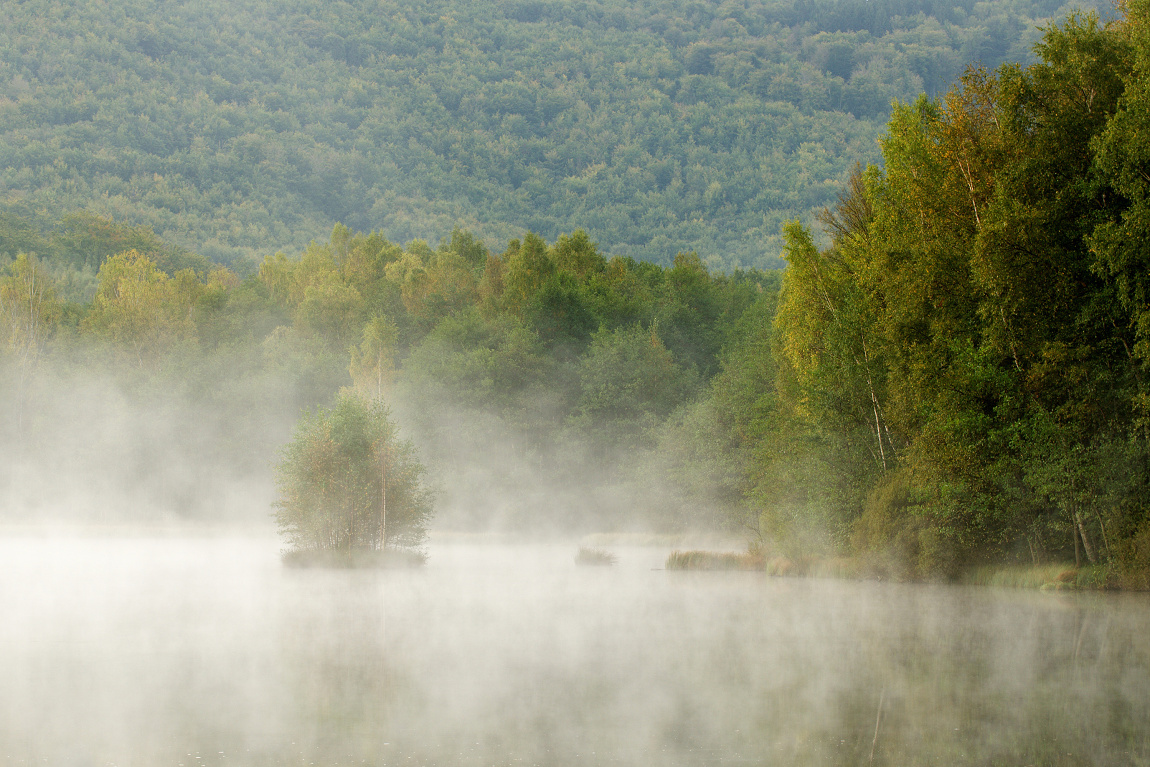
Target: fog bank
[[181, 651]]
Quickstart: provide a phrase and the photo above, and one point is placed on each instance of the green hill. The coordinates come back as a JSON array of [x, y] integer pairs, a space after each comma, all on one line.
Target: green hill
[[237, 128]]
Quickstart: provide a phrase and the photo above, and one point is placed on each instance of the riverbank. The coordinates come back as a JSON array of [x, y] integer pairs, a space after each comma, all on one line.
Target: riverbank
[[1052, 577], [1056, 576]]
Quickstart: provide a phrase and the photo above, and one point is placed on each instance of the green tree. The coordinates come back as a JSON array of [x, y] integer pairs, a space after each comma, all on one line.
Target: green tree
[[1122, 244], [689, 313], [139, 308], [559, 314], [29, 312], [493, 365], [578, 255], [347, 481], [373, 361], [28, 309], [527, 268], [331, 309], [628, 382]]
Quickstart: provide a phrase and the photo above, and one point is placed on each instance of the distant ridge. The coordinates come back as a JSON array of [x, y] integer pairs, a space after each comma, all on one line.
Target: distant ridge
[[237, 128]]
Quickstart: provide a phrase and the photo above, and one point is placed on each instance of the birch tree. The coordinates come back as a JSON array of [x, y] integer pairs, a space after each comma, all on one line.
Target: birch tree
[[347, 481]]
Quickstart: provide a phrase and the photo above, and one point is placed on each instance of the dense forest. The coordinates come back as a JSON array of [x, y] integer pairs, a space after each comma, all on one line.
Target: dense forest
[[235, 129], [962, 373], [545, 375], [956, 376]]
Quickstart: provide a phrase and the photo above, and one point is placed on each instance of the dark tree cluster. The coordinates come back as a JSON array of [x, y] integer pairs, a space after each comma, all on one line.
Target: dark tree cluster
[[960, 376]]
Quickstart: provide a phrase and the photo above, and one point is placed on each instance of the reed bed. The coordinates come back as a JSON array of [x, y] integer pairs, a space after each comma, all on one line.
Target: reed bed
[[843, 568], [1050, 577], [1056, 576], [714, 560], [780, 566], [594, 557]]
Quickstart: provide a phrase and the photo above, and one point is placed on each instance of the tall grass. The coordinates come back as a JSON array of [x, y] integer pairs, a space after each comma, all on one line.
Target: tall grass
[[714, 560], [1053, 576], [844, 568], [589, 556]]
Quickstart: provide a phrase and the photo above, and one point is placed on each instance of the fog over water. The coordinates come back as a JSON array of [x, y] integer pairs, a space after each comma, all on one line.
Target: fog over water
[[171, 650], [181, 646]]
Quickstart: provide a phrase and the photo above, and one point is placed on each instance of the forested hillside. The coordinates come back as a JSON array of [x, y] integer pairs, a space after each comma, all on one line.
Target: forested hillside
[[958, 377], [235, 129]]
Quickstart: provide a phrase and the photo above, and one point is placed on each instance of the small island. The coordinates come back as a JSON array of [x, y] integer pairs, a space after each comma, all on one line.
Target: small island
[[351, 492]]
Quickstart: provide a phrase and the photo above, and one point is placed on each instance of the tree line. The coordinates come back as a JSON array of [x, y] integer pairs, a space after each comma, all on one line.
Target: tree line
[[238, 128], [577, 361], [958, 377]]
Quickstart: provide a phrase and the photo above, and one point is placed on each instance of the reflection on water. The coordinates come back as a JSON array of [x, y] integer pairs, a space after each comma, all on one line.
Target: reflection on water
[[205, 652]]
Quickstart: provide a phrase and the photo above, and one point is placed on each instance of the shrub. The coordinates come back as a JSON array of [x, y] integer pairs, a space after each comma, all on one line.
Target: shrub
[[347, 482]]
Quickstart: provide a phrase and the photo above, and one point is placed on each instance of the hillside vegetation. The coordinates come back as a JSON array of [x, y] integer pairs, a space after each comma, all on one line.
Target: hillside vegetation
[[957, 378], [235, 129], [536, 381], [962, 375]]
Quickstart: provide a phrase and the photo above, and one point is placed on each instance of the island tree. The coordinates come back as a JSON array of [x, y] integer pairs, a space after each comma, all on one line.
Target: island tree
[[348, 482]]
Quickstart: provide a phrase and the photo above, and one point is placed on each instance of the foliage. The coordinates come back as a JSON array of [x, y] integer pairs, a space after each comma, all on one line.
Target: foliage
[[954, 376], [433, 330], [373, 362], [628, 382], [237, 128], [29, 309], [1122, 243], [957, 377], [140, 310], [348, 482]]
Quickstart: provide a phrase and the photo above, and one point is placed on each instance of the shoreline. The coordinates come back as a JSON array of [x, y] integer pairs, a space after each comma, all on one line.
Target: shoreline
[[1055, 576]]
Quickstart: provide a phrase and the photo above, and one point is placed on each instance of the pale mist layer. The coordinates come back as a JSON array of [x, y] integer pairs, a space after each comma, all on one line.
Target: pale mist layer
[[179, 651], [115, 451], [134, 648]]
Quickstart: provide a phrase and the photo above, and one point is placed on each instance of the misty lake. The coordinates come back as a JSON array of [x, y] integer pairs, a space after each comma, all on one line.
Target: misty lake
[[206, 651]]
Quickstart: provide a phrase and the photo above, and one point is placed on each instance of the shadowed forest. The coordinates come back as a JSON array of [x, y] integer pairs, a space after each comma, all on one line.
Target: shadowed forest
[[951, 370], [236, 129]]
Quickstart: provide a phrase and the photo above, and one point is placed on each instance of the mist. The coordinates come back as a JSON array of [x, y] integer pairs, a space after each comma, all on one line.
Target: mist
[[96, 445], [149, 620], [92, 447], [149, 617], [340, 505], [184, 650]]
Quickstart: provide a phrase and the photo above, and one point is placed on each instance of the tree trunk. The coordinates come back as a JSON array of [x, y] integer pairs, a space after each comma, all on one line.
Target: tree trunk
[[1077, 546], [878, 424], [383, 500], [1086, 545], [1105, 540]]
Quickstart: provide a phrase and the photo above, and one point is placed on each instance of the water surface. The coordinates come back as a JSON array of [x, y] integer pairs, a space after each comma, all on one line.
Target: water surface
[[205, 651]]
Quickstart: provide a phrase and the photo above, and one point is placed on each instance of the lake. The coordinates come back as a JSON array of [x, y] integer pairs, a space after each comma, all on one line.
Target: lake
[[198, 651]]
